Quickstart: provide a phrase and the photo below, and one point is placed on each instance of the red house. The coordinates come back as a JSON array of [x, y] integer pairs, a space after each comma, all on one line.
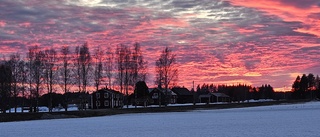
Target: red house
[[159, 96], [106, 98]]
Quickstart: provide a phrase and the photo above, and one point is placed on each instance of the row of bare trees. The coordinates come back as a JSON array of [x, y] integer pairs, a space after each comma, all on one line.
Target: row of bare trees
[[131, 67], [47, 71]]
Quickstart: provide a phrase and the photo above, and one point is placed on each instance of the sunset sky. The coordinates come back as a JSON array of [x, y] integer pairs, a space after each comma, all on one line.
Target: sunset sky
[[216, 41]]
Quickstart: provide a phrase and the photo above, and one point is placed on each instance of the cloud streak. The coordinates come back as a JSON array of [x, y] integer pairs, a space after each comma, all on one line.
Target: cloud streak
[[220, 41]]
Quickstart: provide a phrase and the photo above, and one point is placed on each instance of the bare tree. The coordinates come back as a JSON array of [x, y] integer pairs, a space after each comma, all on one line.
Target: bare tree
[[124, 68], [36, 58], [166, 71], [85, 62], [98, 70], [50, 68], [77, 67], [138, 68], [13, 64], [131, 67], [30, 58], [120, 52], [22, 79], [83, 67], [66, 73], [139, 65], [128, 71], [109, 65]]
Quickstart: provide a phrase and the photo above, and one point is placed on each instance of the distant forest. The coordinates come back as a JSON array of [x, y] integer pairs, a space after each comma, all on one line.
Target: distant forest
[[304, 87], [240, 92]]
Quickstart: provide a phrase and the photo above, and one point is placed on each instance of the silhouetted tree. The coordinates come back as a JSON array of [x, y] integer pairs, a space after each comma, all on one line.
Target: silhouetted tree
[[22, 79], [109, 66], [198, 89], [98, 69], [127, 64], [57, 100], [66, 73], [77, 67], [311, 85], [166, 71], [141, 93], [266, 92], [256, 95], [120, 52], [296, 88], [124, 69], [13, 64], [138, 65], [36, 65], [317, 87], [5, 86], [85, 62], [306, 85], [50, 68], [83, 67], [303, 86]]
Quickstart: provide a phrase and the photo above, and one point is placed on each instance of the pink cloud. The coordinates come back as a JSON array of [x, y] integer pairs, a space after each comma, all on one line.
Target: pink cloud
[[25, 24], [238, 42], [2, 23], [287, 12]]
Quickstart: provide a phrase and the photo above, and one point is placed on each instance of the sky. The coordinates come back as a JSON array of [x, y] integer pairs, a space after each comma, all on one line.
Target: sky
[[216, 41]]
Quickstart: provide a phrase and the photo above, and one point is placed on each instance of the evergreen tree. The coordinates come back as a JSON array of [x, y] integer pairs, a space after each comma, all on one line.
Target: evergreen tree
[[141, 93]]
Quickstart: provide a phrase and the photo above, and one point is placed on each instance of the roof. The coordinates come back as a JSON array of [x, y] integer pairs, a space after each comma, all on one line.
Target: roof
[[170, 92], [182, 91], [204, 96], [151, 89], [220, 95], [163, 90], [108, 90], [214, 94]]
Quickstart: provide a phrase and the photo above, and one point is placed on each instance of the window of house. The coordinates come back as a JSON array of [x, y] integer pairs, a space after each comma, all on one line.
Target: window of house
[[155, 95], [106, 103], [98, 103], [106, 95], [173, 100], [98, 95]]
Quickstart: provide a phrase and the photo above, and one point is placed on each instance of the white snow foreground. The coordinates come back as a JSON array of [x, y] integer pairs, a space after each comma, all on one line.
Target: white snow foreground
[[71, 107], [293, 120]]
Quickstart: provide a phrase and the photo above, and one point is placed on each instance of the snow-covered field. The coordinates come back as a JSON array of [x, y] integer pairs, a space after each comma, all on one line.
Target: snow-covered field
[[295, 120], [71, 107]]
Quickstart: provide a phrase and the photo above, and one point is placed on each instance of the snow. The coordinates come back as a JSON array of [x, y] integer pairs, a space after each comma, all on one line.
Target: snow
[[19, 110], [294, 120], [173, 105], [71, 107], [199, 104]]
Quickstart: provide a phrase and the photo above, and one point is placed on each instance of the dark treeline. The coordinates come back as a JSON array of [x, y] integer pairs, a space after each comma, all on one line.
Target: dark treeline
[[240, 92], [306, 87], [57, 72], [56, 77]]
